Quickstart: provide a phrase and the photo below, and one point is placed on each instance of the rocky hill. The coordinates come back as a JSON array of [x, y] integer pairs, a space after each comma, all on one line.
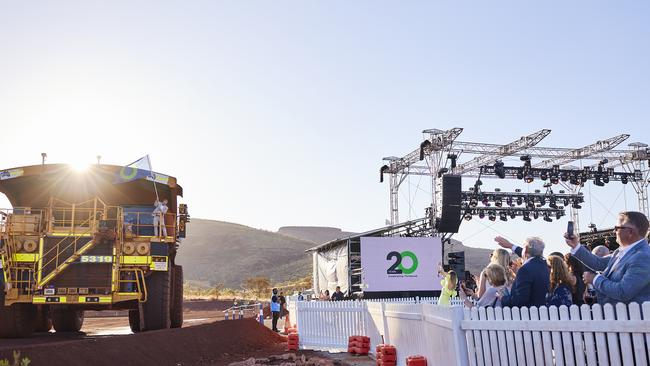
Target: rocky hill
[[221, 252]]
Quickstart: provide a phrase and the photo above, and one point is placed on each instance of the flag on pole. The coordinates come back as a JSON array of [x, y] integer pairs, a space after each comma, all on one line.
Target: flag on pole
[[139, 169]]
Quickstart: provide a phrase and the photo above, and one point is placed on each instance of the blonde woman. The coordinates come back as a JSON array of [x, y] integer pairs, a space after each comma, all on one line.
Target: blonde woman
[[495, 275], [501, 257], [449, 283], [561, 291]]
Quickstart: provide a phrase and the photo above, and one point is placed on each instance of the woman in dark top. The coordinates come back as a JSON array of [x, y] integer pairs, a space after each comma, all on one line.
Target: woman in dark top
[[561, 291], [577, 269]]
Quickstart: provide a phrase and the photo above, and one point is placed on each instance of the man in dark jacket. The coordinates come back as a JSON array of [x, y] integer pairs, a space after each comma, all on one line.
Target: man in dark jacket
[[533, 278], [337, 295]]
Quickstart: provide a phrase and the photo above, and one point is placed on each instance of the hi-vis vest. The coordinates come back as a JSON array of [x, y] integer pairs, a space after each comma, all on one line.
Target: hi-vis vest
[[275, 306]]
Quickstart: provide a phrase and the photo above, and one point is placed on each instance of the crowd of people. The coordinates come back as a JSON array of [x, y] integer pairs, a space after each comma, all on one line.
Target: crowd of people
[[577, 277]]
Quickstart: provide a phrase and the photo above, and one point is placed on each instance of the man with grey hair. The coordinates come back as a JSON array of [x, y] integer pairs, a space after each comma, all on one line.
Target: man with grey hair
[[533, 278], [600, 251]]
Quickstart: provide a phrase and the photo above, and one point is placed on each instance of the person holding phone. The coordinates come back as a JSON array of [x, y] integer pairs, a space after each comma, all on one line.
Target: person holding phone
[[625, 275]]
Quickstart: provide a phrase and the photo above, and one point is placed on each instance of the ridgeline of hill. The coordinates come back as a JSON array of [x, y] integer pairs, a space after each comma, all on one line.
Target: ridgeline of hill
[[221, 252], [315, 234]]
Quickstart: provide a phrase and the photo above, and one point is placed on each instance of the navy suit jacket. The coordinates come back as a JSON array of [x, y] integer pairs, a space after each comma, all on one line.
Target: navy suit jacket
[[628, 282], [531, 283]]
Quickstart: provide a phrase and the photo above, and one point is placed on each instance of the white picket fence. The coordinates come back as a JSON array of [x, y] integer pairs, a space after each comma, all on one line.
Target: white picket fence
[[584, 335], [483, 336]]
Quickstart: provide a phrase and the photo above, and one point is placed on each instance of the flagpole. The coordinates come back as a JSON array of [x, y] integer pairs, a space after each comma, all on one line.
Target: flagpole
[[152, 178]]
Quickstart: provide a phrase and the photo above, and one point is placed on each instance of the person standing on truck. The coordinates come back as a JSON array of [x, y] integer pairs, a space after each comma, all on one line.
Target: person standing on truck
[[275, 309], [159, 216]]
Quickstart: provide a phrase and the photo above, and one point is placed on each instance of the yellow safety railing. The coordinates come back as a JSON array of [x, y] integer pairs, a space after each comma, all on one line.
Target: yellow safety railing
[[82, 220], [132, 276], [16, 223], [134, 226]]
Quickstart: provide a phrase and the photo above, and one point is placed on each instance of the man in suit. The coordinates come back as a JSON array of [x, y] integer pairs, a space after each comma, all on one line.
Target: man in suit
[[623, 276], [533, 278]]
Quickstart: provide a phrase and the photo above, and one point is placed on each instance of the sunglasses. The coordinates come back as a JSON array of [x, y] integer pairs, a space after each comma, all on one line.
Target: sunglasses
[[616, 228]]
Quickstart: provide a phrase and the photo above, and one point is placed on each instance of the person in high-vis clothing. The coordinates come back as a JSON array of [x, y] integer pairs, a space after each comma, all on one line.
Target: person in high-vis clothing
[[275, 309]]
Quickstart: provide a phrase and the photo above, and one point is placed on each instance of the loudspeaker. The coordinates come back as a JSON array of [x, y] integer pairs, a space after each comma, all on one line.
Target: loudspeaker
[[450, 212]]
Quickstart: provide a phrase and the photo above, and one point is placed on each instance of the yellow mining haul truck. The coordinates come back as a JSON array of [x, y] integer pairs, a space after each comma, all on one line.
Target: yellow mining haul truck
[[88, 240]]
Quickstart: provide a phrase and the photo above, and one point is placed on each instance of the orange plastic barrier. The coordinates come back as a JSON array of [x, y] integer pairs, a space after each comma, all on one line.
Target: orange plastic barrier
[[292, 341], [416, 360], [386, 355], [359, 345]]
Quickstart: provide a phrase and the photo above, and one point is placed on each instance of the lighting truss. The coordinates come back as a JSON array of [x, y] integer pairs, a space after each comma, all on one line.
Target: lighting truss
[[556, 174], [595, 238], [440, 147], [505, 213], [537, 199]]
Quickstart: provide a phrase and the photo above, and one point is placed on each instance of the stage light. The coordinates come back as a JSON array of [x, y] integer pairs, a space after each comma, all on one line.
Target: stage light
[[535, 215], [485, 202], [598, 182], [499, 171], [605, 179], [519, 201], [513, 214], [552, 203], [520, 174], [503, 216], [547, 218], [558, 215], [481, 214], [529, 178], [543, 175], [468, 216], [624, 179], [473, 202], [564, 177], [509, 202], [575, 205], [498, 202], [526, 216], [492, 216]]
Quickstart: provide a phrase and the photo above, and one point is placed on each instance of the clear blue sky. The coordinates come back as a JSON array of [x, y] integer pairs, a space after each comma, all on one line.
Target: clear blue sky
[[278, 113]]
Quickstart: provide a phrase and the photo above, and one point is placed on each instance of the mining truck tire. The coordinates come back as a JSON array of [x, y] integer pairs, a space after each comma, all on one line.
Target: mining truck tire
[[156, 309], [134, 320], [176, 308], [43, 321], [17, 320], [67, 320]]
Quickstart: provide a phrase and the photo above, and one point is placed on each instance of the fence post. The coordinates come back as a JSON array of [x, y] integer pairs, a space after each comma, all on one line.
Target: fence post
[[384, 323], [241, 313], [225, 315], [460, 340], [261, 314]]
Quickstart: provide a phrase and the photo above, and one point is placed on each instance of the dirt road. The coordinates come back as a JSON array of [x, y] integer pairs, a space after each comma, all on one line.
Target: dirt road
[[196, 312]]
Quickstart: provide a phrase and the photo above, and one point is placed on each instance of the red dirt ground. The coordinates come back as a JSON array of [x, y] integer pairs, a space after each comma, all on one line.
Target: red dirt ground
[[217, 343]]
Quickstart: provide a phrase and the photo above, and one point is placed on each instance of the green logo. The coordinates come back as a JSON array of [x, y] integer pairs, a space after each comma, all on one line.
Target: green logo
[[397, 267]]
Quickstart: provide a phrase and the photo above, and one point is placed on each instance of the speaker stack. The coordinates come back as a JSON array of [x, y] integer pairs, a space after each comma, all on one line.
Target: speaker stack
[[450, 208]]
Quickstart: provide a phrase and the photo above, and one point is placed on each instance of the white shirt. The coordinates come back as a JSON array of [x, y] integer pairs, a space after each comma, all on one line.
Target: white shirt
[[161, 209]]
